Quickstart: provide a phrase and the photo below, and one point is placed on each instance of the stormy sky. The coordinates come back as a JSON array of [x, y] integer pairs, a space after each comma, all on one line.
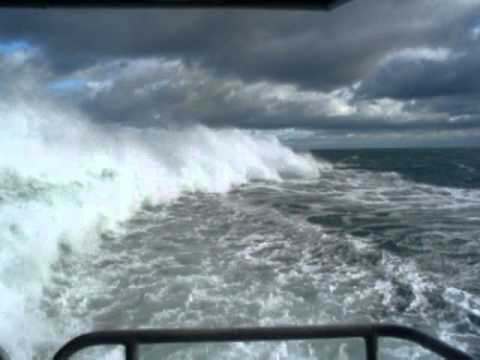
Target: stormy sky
[[370, 73]]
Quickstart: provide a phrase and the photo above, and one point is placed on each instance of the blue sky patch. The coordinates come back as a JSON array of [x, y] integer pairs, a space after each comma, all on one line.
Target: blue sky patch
[[66, 85], [9, 47]]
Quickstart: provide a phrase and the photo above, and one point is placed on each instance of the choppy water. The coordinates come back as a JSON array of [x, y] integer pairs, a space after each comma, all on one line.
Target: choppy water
[[236, 230]]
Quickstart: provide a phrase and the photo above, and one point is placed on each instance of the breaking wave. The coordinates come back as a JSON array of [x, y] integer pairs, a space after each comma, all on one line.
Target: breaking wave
[[65, 181]]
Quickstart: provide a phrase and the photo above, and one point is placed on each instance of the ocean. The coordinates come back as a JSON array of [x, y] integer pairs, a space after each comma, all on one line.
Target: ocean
[[214, 228]]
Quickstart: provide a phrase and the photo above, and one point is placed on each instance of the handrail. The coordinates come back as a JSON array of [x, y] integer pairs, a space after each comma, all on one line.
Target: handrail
[[131, 339], [3, 354]]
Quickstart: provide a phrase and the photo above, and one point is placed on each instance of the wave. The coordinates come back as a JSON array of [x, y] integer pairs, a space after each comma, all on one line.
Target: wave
[[65, 180]]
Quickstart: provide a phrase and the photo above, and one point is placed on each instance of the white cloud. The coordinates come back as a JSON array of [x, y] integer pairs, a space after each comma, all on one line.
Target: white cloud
[[440, 54], [475, 33]]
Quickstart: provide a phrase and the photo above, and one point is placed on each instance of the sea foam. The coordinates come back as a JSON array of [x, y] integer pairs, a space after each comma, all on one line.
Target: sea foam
[[64, 180]]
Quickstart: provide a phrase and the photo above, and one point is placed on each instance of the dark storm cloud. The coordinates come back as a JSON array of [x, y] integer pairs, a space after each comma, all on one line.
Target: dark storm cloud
[[406, 78], [156, 92], [312, 49], [369, 67]]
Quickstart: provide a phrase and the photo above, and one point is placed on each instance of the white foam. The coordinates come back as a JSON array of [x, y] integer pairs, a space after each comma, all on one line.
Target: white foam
[[65, 180], [463, 299]]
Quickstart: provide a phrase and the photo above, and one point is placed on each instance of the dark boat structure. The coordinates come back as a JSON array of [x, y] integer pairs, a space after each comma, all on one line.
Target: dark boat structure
[[370, 333], [263, 4], [131, 340]]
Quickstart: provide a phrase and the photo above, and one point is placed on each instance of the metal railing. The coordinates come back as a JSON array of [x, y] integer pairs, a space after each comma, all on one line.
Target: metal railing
[[132, 339]]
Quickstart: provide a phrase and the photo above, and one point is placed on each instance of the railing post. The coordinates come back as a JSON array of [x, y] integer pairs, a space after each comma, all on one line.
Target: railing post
[[3, 354], [371, 343], [131, 351]]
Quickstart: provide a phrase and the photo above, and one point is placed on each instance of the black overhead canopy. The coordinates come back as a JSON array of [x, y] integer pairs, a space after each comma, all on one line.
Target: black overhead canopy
[[264, 4]]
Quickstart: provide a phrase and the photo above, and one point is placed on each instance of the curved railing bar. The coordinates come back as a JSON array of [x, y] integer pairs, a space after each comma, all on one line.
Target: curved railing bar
[[369, 332]]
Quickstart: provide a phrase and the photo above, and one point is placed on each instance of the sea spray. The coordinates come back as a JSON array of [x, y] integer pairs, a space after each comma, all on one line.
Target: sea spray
[[65, 180]]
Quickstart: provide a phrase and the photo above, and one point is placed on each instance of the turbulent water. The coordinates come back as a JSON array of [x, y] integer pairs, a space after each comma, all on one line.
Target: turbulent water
[[115, 228]]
